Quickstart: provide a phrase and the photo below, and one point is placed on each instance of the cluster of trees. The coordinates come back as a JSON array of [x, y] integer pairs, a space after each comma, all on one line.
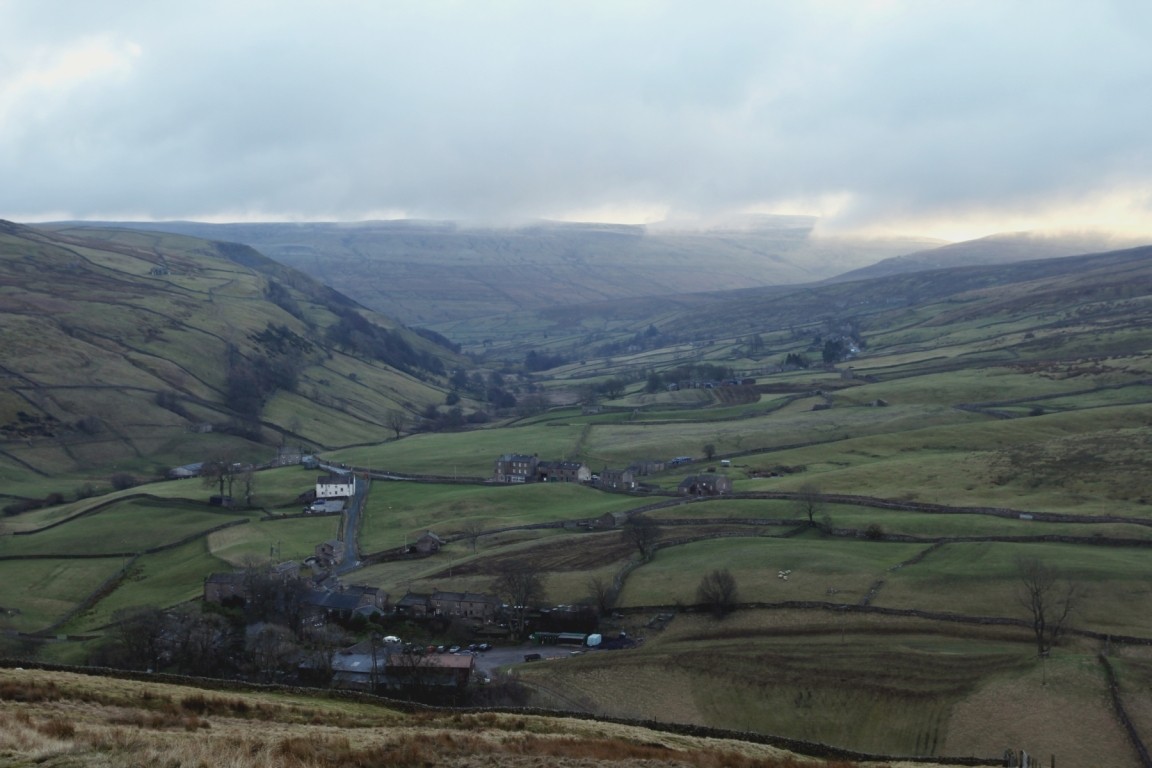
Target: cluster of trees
[[650, 338], [493, 389], [204, 639], [356, 334], [283, 298], [542, 361]]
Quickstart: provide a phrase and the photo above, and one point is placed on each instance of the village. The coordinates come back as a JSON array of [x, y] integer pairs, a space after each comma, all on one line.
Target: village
[[313, 600]]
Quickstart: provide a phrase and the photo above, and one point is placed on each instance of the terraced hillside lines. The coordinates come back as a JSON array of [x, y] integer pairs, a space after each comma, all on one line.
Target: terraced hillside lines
[[122, 337]]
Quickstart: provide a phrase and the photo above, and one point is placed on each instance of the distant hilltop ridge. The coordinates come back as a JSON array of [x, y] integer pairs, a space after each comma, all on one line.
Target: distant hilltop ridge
[[436, 274]]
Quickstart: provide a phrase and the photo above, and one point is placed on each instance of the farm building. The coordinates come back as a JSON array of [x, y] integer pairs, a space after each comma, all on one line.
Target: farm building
[[356, 669], [428, 543], [705, 485], [466, 604], [617, 479], [186, 471], [335, 486], [563, 472], [515, 468], [330, 553]]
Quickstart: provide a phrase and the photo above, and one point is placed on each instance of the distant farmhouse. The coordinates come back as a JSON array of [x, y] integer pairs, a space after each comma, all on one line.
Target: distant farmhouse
[[515, 468], [335, 486], [618, 479], [705, 485], [428, 543], [563, 472], [522, 468]]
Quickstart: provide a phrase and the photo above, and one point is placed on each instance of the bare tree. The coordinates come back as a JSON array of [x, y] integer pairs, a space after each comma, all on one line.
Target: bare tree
[[603, 594], [809, 501], [1049, 598], [220, 471], [642, 534], [273, 649], [321, 645], [200, 641], [396, 421], [137, 637], [717, 590], [521, 585], [472, 531], [247, 476]]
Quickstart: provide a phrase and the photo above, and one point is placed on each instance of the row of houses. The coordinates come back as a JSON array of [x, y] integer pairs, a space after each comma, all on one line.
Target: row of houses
[[522, 468]]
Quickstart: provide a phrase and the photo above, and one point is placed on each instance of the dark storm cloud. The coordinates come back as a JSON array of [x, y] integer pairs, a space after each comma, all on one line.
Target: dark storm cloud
[[505, 110]]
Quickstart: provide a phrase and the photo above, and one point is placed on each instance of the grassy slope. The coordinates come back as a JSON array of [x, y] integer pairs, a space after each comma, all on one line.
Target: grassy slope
[[89, 332], [58, 719]]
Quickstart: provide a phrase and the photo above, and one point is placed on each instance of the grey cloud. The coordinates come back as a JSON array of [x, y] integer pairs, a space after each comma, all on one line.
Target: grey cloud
[[519, 109]]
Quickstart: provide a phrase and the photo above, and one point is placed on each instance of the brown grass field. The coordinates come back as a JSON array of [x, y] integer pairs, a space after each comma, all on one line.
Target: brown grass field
[[67, 720]]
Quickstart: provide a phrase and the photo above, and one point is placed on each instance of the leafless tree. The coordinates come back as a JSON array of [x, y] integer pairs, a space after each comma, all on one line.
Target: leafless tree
[[273, 649], [521, 586], [396, 421], [1049, 598], [221, 471], [247, 476], [809, 501], [603, 594], [200, 640], [137, 636], [321, 645], [717, 590], [472, 531], [642, 534]]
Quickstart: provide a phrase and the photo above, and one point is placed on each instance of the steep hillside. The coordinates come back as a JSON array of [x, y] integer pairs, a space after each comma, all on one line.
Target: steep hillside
[[429, 273], [122, 348]]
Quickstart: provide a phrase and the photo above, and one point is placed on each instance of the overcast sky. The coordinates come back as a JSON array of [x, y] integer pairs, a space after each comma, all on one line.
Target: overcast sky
[[953, 118]]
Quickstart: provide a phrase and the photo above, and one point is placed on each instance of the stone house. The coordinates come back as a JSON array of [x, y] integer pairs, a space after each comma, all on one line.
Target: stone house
[[414, 604], [647, 467], [471, 605], [330, 553], [617, 479], [563, 472], [428, 544], [705, 485], [515, 468]]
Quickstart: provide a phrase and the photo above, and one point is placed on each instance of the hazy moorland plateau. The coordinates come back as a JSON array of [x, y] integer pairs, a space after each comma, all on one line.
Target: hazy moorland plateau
[[911, 447]]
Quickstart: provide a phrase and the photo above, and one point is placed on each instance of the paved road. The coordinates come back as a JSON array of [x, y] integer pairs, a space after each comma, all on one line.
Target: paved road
[[488, 661]]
